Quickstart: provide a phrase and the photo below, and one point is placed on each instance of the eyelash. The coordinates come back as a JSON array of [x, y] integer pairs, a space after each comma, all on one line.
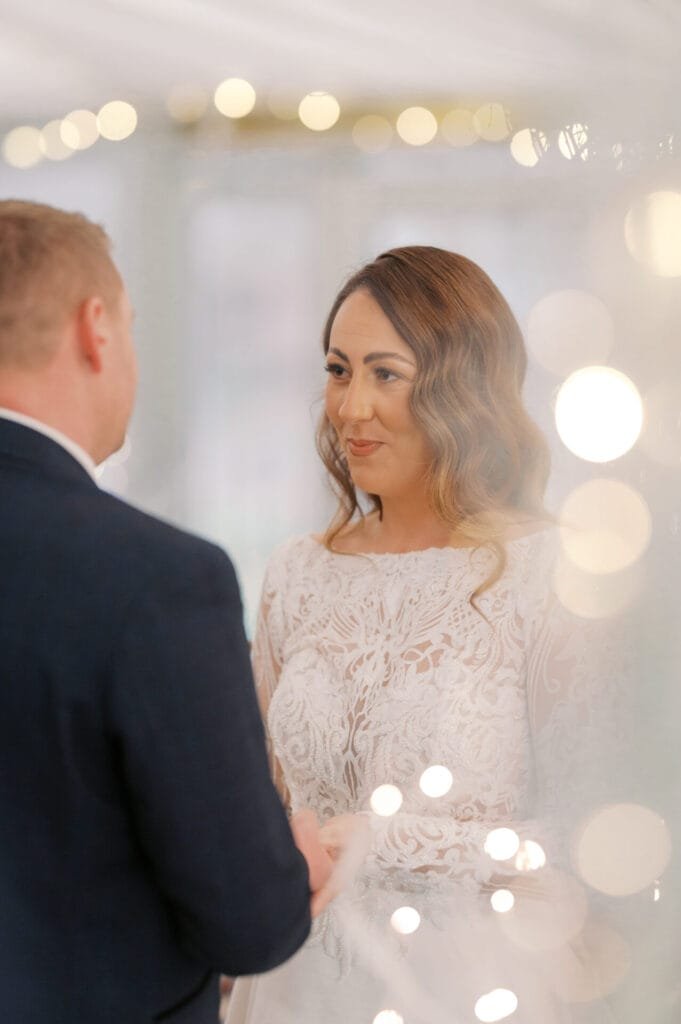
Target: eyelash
[[331, 367]]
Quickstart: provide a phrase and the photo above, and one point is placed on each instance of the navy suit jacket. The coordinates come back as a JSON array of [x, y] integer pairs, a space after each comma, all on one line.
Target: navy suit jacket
[[143, 847]]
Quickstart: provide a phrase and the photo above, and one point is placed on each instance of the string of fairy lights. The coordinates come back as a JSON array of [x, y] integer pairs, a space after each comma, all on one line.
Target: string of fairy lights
[[319, 112]]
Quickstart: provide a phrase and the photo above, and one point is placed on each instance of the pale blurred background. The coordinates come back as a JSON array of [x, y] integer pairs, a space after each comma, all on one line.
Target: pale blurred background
[[545, 145]]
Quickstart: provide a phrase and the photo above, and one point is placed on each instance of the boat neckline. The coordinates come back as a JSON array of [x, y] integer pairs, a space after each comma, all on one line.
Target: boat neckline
[[426, 551]]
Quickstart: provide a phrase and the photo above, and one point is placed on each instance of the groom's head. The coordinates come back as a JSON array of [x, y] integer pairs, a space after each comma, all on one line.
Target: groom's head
[[66, 353]]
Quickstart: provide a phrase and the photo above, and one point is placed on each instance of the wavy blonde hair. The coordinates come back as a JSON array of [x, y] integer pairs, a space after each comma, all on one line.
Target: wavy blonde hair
[[490, 462]]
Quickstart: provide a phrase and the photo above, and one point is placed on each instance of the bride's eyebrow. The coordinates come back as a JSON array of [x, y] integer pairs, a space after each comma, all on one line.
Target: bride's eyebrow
[[373, 356]]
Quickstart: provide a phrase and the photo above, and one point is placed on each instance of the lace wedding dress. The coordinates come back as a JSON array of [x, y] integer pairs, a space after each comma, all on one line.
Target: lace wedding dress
[[372, 668]]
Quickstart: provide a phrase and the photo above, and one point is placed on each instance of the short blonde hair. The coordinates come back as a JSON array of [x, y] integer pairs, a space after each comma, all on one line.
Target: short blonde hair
[[50, 261]]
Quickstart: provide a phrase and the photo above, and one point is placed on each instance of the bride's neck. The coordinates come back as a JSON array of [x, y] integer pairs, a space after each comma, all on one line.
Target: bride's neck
[[406, 525]]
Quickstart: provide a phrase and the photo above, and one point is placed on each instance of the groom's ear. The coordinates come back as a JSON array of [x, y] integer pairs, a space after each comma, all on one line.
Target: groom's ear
[[92, 332]]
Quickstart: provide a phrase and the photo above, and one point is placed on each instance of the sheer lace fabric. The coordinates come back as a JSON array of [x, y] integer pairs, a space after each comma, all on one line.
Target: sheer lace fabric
[[370, 669]]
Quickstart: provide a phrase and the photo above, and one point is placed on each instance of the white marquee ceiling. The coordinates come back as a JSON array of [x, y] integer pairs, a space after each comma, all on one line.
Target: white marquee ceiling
[[623, 55]]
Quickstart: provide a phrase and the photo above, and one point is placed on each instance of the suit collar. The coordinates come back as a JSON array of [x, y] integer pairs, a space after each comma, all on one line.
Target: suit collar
[[21, 443]]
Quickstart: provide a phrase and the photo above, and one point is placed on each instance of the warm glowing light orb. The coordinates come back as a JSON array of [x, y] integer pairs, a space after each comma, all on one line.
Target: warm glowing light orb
[[187, 104], [573, 142], [386, 800], [79, 129], [52, 144], [496, 1005], [116, 120], [599, 413], [605, 526], [569, 329], [530, 856], [652, 232], [388, 1017], [491, 122], [235, 97], [502, 901], [21, 147], [372, 134], [527, 146], [502, 843], [622, 849], [458, 128], [594, 596], [405, 920], [436, 780], [417, 126], [319, 111]]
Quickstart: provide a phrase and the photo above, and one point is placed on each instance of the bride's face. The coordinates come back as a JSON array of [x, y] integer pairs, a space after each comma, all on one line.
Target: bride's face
[[371, 371]]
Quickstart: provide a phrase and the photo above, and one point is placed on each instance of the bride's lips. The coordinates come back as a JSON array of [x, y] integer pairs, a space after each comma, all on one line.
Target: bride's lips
[[357, 447]]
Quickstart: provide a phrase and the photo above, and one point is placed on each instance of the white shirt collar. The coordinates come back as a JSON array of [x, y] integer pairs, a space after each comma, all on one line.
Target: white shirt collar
[[78, 453]]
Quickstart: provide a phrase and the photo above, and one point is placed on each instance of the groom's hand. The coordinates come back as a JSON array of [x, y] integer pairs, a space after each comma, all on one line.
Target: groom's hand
[[305, 829]]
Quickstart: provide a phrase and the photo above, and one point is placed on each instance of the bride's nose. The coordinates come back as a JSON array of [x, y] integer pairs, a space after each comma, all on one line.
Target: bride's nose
[[357, 404]]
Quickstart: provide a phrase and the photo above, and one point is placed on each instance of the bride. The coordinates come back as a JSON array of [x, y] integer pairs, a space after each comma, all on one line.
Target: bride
[[420, 683]]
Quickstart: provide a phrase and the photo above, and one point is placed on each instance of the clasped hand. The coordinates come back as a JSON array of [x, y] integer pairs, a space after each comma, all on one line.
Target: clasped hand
[[333, 852]]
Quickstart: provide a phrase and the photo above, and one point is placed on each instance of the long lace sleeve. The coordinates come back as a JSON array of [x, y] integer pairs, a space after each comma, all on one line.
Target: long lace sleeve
[[266, 660], [570, 677]]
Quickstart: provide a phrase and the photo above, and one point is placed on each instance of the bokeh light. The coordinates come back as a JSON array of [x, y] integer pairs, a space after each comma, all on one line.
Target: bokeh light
[[502, 843], [530, 856], [52, 143], [496, 1005], [595, 596], [436, 781], [319, 111], [661, 435], [458, 129], [622, 849], [605, 526], [417, 126], [234, 98], [187, 104], [527, 146], [552, 912], [116, 120], [21, 147], [569, 329], [591, 967], [388, 1017], [386, 800], [372, 134], [79, 129], [502, 901], [573, 142], [599, 413], [491, 122], [405, 920], [652, 231]]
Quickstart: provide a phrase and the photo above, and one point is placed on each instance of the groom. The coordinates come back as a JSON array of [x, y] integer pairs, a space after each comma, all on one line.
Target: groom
[[143, 848]]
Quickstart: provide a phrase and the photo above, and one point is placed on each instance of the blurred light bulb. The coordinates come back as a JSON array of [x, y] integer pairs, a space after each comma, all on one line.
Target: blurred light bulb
[[79, 129], [530, 856], [372, 134], [405, 920], [621, 849], [605, 526], [599, 413], [568, 329], [116, 120], [436, 780], [652, 232], [52, 144], [591, 595], [491, 122], [501, 843], [21, 147], [527, 146], [416, 126], [502, 900], [458, 128], [496, 1005], [388, 1017], [319, 111], [234, 98], [386, 800], [573, 142]]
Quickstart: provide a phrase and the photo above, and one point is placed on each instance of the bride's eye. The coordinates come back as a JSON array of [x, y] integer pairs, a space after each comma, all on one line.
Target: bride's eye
[[385, 375], [335, 370]]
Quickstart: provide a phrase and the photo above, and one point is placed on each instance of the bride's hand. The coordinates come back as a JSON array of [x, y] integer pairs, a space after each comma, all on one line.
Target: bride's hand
[[343, 831], [306, 834]]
